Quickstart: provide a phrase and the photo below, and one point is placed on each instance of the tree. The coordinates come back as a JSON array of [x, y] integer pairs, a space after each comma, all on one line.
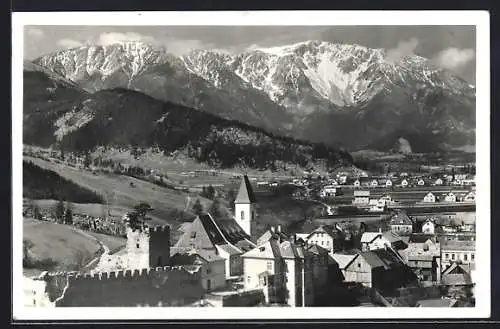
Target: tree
[[27, 246], [210, 192], [198, 207], [214, 209], [68, 217], [36, 212], [231, 197], [59, 211], [87, 161], [138, 217]]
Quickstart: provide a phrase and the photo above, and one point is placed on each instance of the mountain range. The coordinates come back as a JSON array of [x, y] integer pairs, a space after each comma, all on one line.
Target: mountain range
[[59, 113], [336, 94]]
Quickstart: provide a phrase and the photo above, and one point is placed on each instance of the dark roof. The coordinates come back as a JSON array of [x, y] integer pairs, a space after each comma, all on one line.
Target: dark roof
[[206, 232], [245, 193], [381, 258], [317, 250], [269, 234]]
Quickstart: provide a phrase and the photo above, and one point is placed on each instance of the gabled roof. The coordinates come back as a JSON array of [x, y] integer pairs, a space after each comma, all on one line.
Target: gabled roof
[[331, 230], [401, 219], [269, 234], [392, 237], [206, 232], [317, 250], [343, 259], [245, 193], [268, 250], [381, 258], [368, 237]]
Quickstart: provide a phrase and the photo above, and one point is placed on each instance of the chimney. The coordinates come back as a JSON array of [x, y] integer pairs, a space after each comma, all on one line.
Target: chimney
[[279, 228], [272, 229], [380, 230]]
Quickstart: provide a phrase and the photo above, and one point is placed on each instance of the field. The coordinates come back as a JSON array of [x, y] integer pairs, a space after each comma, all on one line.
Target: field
[[119, 192], [69, 248]]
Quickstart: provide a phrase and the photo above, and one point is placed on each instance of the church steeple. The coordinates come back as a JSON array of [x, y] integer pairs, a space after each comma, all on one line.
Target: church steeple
[[244, 206]]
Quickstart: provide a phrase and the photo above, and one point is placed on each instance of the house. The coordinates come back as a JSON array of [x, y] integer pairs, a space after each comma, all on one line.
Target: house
[[469, 197], [430, 198], [381, 269], [450, 197], [285, 271], [342, 260], [328, 237], [221, 237], [357, 183], [404, 183], [374, 183], [424, 259], [457, 251], [333, 182], [457, 275], [388, 183], [438, 182], [420, 182], [429, 226], [328, 191], [211, 266], [379, 240], [401, 224], [272, 232], [361, 197], [342, 179]]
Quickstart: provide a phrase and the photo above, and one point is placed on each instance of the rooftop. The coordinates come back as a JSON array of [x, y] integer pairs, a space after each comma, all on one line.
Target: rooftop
[[245, 193]]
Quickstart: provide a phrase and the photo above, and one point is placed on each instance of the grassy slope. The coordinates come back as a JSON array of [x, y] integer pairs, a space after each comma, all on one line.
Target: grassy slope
[[125, 196], [60, 242]]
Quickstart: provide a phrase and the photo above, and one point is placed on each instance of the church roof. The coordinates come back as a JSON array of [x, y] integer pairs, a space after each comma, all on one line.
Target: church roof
[[205, 232], [245, 193]]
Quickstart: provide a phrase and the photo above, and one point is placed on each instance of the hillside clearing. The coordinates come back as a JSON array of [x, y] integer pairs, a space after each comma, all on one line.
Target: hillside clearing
[[125, 192], [68, 247]]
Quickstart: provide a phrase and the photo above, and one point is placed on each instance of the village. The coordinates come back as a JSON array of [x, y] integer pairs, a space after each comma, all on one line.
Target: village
[[394, 241]]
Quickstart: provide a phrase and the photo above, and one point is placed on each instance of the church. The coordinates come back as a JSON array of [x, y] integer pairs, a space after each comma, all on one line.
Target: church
[[227, 238]]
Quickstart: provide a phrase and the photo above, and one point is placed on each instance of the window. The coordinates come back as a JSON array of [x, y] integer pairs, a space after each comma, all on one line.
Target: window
[[269, 266], [209, 270], [327, 243], [193, 235], [137, 245], [359, 265], [321, 242], [242, 215], [446, 256], [452, 256], [465, 256], [472, 257], [248, 278]]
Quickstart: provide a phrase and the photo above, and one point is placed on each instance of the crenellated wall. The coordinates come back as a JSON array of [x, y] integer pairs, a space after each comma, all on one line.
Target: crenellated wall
[[162, 286]]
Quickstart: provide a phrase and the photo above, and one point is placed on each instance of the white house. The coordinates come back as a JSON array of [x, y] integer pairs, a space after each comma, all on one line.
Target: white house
[[357, 183], [361, 197], [471, 196], [342, 179], [438, 181], [429, 227], [374, 183], [450, 197], [430, 197], [328, 191], [404, 183], [388, 183], [420, 182]]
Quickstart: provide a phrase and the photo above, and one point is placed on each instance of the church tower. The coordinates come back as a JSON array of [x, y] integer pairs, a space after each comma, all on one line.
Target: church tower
[[244, 207]]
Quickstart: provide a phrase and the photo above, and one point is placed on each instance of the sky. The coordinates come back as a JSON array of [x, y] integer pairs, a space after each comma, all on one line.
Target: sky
[[449, 47]]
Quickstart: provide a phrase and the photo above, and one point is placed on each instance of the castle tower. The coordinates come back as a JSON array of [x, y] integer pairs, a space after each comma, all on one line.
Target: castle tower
[[148, 247], [244, 207]]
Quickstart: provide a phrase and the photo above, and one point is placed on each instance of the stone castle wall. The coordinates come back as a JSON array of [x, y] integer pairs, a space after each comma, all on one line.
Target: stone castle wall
[[162, 286]]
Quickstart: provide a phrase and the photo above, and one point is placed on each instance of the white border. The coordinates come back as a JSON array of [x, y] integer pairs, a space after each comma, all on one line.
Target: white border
[[478, 18]]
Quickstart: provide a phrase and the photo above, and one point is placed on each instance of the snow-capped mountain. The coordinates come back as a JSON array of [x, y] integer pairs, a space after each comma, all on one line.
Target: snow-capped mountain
[[316, 90]]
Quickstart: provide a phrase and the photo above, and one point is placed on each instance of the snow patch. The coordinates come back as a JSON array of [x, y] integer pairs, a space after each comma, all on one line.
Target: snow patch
[[71, 121]]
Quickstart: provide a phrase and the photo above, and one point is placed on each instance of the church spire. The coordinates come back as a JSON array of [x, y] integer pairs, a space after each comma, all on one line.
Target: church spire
[[245, 193]]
